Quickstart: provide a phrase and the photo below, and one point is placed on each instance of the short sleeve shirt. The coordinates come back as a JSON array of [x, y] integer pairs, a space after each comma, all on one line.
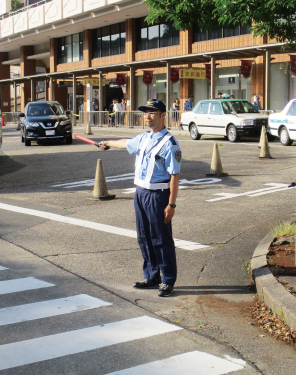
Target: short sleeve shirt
[[167, 160], [188, 105]]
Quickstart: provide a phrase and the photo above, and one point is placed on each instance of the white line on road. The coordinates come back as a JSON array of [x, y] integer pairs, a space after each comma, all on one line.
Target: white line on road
[[91, 225], [3, 268], [82, 340], [45, 309], [20, 285], [197, 363], [274, 187]]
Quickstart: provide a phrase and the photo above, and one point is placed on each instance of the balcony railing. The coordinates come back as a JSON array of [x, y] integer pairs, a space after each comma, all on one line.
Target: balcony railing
[[24, 9]]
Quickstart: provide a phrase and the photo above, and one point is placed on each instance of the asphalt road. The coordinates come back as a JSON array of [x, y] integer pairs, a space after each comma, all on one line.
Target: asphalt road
[[44, 188]]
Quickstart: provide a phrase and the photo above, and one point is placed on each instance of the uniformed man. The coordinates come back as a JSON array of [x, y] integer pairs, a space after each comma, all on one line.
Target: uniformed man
[[257, 103], [158, 158], [188, 105]]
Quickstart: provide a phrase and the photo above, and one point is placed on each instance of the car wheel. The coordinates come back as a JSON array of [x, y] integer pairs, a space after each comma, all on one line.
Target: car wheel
[[194, 132], [284, 137], [232, 134], [27, 141], [69, 140]]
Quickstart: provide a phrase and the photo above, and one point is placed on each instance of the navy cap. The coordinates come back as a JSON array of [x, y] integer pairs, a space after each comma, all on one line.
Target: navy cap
[[153, 104], [257, 96]]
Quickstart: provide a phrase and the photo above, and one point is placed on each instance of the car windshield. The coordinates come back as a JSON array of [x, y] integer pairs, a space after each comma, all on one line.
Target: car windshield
[[45, 109], [238, 107]]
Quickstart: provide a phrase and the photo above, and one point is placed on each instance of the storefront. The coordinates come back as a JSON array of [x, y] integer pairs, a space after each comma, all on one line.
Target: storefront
[[283, 85]]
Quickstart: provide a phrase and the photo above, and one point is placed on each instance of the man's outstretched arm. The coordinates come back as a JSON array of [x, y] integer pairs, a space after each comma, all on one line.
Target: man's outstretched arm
[[121, 143]]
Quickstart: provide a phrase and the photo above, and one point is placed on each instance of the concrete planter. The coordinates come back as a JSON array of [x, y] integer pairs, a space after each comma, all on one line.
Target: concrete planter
[[274, 295]]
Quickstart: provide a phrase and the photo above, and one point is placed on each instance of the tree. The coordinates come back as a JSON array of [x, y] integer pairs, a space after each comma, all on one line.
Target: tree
[[16, 4], [269, 18]]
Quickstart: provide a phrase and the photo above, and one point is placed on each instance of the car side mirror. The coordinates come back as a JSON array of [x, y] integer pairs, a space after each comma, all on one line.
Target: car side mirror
[[68, 112], [21, 114], [233, 112]]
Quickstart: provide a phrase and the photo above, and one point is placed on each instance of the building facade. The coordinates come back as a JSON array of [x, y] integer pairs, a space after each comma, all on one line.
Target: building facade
[[50, 48]]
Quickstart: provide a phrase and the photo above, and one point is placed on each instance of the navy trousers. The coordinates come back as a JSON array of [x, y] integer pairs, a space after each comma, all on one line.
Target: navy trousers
[[154, 236]]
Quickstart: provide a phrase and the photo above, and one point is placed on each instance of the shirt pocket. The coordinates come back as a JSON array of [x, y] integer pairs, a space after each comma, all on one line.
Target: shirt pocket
[[159, 161]]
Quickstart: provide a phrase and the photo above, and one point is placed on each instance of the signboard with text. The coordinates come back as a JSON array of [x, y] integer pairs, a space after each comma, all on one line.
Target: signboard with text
[[93, 81], [195, 73]]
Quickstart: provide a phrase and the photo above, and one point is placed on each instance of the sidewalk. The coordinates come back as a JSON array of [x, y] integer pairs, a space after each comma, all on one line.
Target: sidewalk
[[272, 292]]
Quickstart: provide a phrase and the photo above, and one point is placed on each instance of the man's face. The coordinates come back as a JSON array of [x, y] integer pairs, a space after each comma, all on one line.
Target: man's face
[[153, 118], [191, 99]]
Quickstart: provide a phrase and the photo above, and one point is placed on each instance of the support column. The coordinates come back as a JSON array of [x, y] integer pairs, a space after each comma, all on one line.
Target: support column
[[5, 90], [74, 101], [15, 97], [28, 68], [101, 104], [51, 89], [32, 90], [267, 81], [213, 74], [132, 88], [168, 94]]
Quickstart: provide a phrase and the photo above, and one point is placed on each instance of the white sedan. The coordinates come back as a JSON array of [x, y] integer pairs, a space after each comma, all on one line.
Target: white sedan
[[230, 118], [283, 124]]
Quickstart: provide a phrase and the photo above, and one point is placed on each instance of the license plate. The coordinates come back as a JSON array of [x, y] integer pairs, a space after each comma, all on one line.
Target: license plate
[[49, 132]]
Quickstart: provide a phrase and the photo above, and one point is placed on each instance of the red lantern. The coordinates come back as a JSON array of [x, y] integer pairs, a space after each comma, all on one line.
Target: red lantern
[[293, 64], [120, 79], [208, 71], [246, 67], [174, 75], [147, 77]]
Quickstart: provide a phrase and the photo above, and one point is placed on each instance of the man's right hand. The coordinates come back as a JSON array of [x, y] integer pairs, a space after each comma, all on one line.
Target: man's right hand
[[104, 146]]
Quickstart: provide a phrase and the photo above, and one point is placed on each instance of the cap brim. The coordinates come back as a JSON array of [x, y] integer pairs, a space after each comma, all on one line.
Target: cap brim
[[143, 108]]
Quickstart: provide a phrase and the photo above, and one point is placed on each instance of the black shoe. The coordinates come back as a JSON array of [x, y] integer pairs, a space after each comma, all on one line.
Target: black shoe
[[165, 290], [144, 284]]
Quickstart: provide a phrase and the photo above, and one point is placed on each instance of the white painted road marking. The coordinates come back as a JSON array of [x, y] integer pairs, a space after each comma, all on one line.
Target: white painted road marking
[[89, 224], [82, 340], [274, 188], [45, 309], [3, 268], [20, 285], [197, 363], [130, 176]]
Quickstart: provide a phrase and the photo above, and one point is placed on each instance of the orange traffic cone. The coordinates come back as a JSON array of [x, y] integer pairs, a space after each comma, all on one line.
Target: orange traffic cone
[[2, 121]]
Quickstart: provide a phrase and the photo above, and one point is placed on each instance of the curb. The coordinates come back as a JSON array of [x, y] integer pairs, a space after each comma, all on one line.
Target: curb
[[274, 295]]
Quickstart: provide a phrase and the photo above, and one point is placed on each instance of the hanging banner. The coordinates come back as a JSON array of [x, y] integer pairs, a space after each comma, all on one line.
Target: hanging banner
[[246, 67], [93, 81], [293, 64], [120, 79], [193, 73], [208, 71], [174, 75], [147, 77]]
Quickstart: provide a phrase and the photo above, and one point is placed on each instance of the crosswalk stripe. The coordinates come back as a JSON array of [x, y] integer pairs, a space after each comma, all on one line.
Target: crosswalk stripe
[[82, 340], [3, 268], [197, 363], [39, 310], [20, 285]]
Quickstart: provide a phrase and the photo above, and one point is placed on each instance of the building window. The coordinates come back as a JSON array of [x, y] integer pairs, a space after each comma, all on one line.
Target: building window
[[70, 48], [109, 40], [221, 32], [156, 36]]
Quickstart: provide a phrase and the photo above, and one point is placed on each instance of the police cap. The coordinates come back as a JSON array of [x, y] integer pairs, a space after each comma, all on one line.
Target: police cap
[[153, 104]]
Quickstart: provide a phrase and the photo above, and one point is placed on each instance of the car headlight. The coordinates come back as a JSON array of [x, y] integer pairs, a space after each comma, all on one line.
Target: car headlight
[[247, 122], [32, 124]]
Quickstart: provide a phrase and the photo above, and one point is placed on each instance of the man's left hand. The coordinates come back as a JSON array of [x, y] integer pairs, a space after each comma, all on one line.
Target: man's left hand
[[169, 212]]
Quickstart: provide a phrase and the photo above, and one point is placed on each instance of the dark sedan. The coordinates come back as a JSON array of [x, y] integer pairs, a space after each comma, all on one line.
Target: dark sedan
[[43, 121]]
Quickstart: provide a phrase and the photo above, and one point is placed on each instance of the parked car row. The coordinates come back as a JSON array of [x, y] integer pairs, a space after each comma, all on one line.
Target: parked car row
[[233, 118]]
